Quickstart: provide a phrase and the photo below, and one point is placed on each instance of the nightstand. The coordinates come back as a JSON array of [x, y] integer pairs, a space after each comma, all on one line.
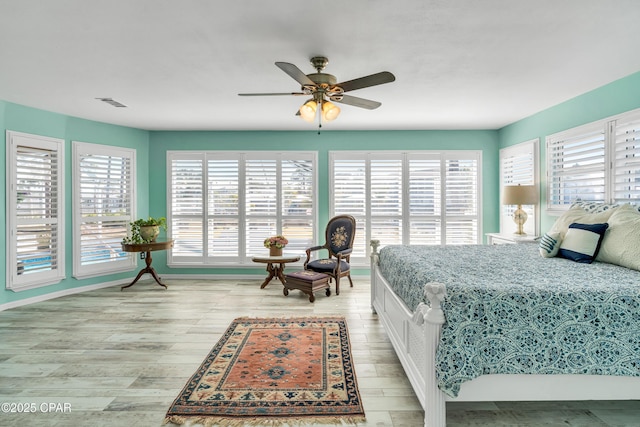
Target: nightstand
[[509, 239]]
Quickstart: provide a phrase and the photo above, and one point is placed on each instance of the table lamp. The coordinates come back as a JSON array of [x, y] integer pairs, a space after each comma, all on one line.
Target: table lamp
[[520, 195]]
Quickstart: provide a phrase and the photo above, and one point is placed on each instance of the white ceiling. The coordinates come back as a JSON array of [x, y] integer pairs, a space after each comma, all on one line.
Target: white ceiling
[[459, 64]]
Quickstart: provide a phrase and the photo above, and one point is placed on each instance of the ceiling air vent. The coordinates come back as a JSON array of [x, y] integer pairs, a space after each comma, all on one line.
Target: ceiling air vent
[[112, 102]]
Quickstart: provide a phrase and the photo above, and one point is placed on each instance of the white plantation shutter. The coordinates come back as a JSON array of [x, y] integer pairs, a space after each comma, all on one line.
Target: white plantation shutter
[[400, 198], [519, 165], [349, 194], [598, 162], [349, 186], [186, 206], [576, 165], [461, 185], [261, 205], [425, 196], [223, 219], [104, 183], [249, 196], [626, 159], [297, 178], [35, 211], [386, 202]]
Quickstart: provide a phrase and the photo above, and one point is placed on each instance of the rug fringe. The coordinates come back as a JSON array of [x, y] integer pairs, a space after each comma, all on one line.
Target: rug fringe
[[209, 421]]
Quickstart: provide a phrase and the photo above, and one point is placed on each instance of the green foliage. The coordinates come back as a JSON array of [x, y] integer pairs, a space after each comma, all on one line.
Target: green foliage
[[161, 222], [135, 237]]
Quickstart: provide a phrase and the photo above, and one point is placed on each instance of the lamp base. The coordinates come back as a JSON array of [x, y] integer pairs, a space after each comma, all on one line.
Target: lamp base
[[520, 217]]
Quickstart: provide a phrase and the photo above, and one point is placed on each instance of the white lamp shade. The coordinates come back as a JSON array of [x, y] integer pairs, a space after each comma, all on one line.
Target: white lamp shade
[[520, 195], [330, 111], [308, 110]]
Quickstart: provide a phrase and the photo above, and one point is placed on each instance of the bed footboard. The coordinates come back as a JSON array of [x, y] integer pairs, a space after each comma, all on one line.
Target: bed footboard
[[415, 338]]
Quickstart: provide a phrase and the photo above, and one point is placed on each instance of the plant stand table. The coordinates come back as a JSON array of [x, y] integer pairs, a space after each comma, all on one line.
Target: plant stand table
[[275, 266], [145, 250]]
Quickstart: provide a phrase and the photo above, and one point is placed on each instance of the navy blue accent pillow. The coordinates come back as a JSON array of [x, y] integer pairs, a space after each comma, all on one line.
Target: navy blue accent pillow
[[582, 242]]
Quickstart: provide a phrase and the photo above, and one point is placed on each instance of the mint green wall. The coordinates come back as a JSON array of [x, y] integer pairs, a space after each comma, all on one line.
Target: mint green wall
[[617, 97], [30, 120], [151, 147], [161, 142]]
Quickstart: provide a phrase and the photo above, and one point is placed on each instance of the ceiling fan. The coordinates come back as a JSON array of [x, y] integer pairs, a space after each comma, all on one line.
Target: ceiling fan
[[322, 88]]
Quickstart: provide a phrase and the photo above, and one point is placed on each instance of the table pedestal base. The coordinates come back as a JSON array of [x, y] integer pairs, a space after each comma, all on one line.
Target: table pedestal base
[[147, 269], [275, 266], [275, 270]]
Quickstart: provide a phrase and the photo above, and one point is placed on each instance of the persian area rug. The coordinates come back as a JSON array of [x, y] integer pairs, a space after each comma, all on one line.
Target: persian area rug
[[276, 371]]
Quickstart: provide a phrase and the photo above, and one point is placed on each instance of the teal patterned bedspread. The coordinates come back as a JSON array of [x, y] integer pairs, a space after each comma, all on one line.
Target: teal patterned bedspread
[[510, 311]]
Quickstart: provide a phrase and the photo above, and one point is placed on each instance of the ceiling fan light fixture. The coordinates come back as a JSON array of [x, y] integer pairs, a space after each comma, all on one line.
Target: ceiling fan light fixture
[[330, 111], [308, 110], [323, 88]]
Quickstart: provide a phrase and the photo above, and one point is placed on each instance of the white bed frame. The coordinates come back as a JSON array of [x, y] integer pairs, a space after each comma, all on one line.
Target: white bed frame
[[415, 338]]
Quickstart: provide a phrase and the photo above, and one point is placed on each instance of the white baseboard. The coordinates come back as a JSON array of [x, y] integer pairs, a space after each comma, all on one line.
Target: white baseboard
[[58, 294], [79, 289]]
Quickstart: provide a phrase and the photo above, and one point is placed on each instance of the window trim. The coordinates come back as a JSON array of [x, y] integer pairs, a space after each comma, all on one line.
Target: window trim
[[15, 282], [101, 269], [623, 119], [533, 146], [243, 258], [608, 128], [405, 156]]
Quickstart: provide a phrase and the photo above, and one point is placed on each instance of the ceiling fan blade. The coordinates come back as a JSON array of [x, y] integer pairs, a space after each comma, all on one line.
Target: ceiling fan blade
[[295, 73], [357, 102], [271, 94], [372, 80]]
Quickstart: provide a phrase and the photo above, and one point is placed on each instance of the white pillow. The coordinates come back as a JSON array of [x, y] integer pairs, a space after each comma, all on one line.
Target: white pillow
[[550, 244], [621, 244], [593, 207], [581, 216]]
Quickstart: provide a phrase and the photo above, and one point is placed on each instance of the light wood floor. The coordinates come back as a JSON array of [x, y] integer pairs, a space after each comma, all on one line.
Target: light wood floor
[[112, 358]]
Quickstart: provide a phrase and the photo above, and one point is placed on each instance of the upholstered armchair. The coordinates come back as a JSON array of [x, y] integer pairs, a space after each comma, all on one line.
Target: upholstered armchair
[[339, 236]]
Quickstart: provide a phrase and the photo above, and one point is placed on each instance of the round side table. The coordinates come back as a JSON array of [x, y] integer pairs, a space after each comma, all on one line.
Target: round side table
[[275, 266], [147, 248]]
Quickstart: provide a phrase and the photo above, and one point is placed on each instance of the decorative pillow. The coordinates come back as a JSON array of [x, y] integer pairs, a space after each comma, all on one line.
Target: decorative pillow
[[621, 243], [582, 242], [579, 215], [593, 207], [550, 244]]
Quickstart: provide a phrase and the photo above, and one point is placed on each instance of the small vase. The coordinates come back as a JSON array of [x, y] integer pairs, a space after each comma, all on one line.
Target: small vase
[[149, 233], [273, 251]]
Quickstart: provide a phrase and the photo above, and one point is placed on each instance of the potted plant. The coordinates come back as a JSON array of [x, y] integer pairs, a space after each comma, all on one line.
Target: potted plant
[[145, 230], [275, 244]]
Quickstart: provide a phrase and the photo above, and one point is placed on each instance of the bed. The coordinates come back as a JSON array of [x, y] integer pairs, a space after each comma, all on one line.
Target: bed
[[503, 323]]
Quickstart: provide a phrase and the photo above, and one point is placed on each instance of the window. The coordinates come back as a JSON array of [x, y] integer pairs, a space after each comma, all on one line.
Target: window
[[576, 165], [626, 159], [519, 165], [35, 211], [599, 162], [103, 206], [419, 197], [222, 205]]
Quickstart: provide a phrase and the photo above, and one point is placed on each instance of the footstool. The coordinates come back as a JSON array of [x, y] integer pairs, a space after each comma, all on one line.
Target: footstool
[[308, 282]]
